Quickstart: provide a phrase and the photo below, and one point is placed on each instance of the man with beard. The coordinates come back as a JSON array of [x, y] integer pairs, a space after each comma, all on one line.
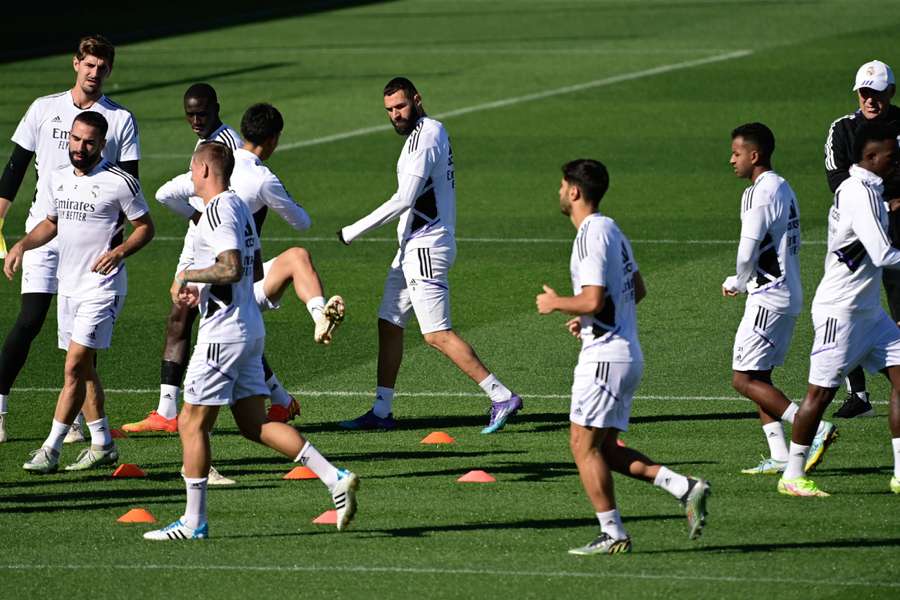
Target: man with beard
[[425, 203], [86, 203], [42, 134]]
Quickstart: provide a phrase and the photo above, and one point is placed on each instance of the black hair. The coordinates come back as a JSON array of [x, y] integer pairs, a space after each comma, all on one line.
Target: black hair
[[760, 136], [94, 119], [590, 176], [261, 122], [202, 91], [871, 131], [400, 83]]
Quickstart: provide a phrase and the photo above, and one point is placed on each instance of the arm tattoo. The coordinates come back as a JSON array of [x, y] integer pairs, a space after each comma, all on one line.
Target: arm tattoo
[[227, 269]]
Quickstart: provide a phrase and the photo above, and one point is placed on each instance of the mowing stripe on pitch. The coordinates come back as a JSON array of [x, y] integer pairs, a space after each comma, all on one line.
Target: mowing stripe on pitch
[[454, 572], [484, 240], [569, 89]]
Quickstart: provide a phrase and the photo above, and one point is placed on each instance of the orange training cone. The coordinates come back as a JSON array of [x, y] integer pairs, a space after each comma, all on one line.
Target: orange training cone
[[117, 434], [437, 437], [129, 470], [329, 517], [476, 477], [137, 515], [301, 473]]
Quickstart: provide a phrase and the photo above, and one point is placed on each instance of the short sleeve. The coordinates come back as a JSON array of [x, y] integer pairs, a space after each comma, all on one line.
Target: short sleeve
[[132, 201], [129, 141], [27, 131], [594, 265], [223, 226], [45, 197]]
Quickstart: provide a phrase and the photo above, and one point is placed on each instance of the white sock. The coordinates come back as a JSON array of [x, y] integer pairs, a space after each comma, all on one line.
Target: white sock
[[796, 461], [896, 445], [318, 464], [384, 402], [277, 392], [315, 305], [195, 510], [821, 428], [79, 420], [496, 390], [672, 482], [169, 395], [4, 403], [100, 436], [611, 524], [789, 413], [775, 437], [58, 433]]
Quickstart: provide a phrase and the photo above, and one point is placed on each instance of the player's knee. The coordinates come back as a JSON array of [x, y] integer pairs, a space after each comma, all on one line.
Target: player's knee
[[251, 431], [739, 382], [300, 256], [78, 367], [438, 339]]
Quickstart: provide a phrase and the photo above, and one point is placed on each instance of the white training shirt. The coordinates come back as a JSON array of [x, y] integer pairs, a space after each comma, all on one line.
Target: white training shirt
[[91, 210], [228, 312], [858, 248], [253, 181], [224, 134], [45, 128], [425, 200], [770, 230], [602, 256]]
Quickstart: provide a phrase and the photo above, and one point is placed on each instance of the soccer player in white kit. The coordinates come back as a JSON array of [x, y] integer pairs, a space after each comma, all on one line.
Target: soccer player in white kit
[[425, 203], [851, 327], [607, 286], [768, 271], [226, 366], [86, 205], [42, 134]]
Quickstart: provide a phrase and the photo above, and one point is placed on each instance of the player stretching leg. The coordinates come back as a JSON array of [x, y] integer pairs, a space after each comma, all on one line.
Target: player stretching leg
[[768, 271], [42, 134], [226, 367], [607, 285], [851, 327], [425, 203], [86, 203]]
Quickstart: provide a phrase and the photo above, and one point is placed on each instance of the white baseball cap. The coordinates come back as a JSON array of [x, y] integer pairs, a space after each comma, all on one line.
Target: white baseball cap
[[874, 74]]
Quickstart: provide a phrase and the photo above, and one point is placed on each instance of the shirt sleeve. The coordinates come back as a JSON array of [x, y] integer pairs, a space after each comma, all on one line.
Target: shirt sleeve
[[421, 162], [866, 210], [592, 269], [46, 197], [186, 258], [837, 155], [175, 194], [226, 232], [408, 190], [132, 201], [129, 141], [275, 196], [27, 131]]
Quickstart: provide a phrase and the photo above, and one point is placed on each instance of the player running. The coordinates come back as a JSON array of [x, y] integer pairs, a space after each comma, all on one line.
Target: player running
[[851, 327], [86, 204], [43, 134], [607, 286], [417, 281], [226, 366], [768, 271]]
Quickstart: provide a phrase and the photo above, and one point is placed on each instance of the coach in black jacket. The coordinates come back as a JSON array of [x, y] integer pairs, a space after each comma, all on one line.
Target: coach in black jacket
[[874, 88]]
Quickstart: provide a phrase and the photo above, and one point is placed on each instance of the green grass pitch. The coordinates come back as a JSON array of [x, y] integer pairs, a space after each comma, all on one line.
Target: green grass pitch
[[664, 83]]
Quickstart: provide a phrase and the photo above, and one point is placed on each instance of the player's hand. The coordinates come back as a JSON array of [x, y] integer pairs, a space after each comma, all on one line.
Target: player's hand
[[188, 296], [546, 302], [574, 327], [13, 261], [894, 204], [108, 261], [729, 287]]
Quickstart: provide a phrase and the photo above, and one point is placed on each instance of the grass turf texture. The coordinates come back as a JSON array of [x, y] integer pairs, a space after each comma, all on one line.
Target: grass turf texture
[[665, 140]]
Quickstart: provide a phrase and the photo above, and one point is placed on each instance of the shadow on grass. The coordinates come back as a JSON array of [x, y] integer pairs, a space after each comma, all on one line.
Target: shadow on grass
[[155, 85], [842, 543]]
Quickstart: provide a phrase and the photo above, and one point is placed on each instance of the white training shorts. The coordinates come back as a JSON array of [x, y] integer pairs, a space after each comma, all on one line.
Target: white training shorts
[[87, 321], [762, 339], [839, 345], [602, 393], [259, 293], [418, 282], [220, 374], [39, 269]]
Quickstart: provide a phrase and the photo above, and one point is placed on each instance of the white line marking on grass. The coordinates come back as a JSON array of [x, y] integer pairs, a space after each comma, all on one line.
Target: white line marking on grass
[[486, 240], [367, 393], [437, 571], [569, 89]]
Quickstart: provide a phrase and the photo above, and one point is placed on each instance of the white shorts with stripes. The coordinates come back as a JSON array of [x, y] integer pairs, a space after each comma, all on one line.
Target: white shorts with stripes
[[762, 339], [87, 321], [39, 269], [418, 282], [220, 374], [602, 393], [840, 345]]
